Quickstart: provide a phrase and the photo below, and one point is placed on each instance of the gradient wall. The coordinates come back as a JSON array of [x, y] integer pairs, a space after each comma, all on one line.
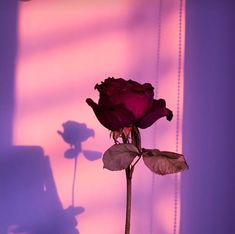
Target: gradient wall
[[64, 49]]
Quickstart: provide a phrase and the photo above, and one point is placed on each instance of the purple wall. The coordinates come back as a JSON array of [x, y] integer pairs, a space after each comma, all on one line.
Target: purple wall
[[208, 189], [8, 42]]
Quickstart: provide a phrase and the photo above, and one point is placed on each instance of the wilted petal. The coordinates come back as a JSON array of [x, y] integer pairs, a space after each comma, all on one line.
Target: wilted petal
[[138, 103], [157, 111], [110, 86], [133, 96], [114, 118], [126, 132]]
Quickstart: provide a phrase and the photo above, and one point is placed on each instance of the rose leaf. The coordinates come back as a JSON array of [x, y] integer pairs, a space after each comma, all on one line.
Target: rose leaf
[[164, 162], [119, 156]]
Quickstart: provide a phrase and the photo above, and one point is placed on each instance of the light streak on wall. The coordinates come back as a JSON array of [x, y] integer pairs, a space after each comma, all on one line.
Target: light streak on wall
[[65, 48]]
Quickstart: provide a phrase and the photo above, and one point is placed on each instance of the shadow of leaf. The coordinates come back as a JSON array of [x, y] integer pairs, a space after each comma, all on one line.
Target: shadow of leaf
[[71, 153], [92, 155]]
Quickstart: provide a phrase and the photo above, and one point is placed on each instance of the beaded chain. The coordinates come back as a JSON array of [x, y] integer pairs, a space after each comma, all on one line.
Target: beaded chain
[[159, 29], [179, 71], [178, 99]]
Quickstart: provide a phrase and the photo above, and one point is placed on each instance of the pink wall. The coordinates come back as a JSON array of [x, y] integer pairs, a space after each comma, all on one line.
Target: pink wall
[[65, 48]]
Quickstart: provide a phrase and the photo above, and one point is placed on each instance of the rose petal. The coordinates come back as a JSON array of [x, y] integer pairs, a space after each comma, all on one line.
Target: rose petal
[[134, 102], [135, 97], [110, 86], [114, 118], [157, 111]]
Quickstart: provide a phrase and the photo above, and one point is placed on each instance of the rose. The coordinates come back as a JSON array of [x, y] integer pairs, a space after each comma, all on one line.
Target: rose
[[125, 103]]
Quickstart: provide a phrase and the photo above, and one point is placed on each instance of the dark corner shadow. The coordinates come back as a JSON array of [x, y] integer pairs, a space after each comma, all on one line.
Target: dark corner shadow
[[8, 48], [29, 202]]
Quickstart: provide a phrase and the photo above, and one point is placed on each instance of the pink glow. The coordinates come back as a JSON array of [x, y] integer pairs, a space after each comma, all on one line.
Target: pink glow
[[64, 50]]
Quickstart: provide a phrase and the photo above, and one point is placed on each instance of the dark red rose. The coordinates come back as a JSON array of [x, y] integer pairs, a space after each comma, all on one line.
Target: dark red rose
[[125, 103]]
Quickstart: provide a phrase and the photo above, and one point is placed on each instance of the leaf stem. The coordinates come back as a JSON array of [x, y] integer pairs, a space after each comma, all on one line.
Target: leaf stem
[[139, 157]]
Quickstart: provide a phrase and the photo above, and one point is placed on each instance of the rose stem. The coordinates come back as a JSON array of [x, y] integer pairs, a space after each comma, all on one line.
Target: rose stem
[[74, 179], [135, 139], [129, 172]]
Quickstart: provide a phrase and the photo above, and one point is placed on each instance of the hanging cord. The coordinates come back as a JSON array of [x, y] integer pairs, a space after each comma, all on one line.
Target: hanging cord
[[176, 177], [159, 29]]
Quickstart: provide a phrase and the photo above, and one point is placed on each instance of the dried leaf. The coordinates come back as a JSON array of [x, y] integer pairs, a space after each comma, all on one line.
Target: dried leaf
[[164, 162], [116, 134], [119, 156]]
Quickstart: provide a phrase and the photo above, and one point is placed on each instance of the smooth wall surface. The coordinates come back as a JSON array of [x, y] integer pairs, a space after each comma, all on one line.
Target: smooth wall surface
[[8, 48], [208, 189], [64, 49]]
